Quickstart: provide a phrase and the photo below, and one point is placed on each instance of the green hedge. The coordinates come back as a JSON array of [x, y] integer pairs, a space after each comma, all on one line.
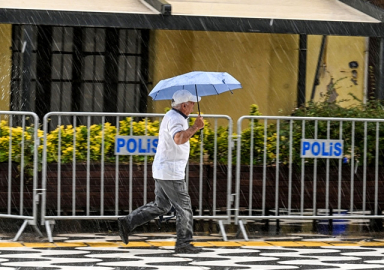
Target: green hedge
[[371, 109]]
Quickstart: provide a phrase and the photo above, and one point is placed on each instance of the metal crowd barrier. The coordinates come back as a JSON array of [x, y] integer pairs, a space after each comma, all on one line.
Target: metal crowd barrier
[[18, 177], [274, 182], [95, 190]]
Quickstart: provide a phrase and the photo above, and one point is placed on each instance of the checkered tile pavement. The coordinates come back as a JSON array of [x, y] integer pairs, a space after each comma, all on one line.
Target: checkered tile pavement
[[155, 251]]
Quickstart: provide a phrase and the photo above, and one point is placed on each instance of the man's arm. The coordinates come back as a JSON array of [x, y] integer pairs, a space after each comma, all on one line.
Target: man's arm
[[184, 136]]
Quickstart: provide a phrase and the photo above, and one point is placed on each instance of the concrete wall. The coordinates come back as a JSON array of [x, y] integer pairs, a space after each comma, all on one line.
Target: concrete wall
[[5, 65], [265, 64], [339, 52]]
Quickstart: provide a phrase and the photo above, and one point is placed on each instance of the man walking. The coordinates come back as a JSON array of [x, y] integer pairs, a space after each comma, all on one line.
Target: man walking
[[168, 169]]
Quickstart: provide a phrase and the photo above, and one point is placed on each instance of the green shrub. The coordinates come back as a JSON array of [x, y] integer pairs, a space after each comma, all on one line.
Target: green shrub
[[255, 129], [371, 109], [66, 133], [20, 155]]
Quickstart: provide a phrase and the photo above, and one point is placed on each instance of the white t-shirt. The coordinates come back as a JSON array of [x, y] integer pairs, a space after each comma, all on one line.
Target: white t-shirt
[[170, 158]]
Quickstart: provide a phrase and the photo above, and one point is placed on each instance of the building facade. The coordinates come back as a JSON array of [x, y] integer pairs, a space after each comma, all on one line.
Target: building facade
[[82, 61]]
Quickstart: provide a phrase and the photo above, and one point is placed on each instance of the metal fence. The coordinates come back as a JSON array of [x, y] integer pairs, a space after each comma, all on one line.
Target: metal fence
[[274, 181], [18, 176], [83, 179]]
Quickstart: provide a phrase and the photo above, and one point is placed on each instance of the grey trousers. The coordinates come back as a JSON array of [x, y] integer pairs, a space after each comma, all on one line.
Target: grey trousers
[[168, 193]]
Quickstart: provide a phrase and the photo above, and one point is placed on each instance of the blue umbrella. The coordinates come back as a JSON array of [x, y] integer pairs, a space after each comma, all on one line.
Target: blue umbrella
[[199, 83]]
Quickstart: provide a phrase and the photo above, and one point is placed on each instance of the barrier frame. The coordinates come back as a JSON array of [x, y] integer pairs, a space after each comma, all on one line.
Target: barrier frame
[[49, 220], [241, 219], [33, 219]]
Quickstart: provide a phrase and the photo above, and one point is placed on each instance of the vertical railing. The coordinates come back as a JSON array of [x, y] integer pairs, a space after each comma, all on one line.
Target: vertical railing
[[316, 188], [82, 205], [25, 125]]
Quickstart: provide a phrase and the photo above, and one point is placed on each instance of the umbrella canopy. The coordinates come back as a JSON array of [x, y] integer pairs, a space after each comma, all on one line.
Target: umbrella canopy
[[199, 83]]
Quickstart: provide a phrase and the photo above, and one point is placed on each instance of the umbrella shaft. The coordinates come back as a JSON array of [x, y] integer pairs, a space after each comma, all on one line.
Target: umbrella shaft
[[197, 95]]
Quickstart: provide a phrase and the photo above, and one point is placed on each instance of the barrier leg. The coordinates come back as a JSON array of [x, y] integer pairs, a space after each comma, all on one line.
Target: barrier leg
[[243, 231], [222, 230], [36, 228], [22, 228], [49, 229]]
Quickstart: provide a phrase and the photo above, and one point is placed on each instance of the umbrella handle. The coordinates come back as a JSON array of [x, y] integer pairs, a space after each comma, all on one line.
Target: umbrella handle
[[197, 95], [198, 105]]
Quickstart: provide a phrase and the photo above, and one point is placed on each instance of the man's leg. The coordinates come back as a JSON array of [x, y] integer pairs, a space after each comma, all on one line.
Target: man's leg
[[145, 213], [177, 193]]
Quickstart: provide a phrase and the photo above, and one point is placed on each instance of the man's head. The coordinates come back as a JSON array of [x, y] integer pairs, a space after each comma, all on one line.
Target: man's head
[[184, 101]]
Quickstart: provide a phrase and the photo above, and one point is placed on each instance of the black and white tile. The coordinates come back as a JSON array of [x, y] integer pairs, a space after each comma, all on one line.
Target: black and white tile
[[163, 258]]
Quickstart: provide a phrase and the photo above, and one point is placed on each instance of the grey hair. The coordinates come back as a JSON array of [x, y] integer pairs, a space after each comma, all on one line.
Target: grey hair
[[177, 106]]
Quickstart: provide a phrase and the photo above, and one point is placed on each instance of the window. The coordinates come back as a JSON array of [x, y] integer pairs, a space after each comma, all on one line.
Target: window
[[79, 69]]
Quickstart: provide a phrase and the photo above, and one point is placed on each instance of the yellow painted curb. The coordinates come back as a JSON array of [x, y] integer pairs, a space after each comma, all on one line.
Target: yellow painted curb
[[224, 244], [39, 245], [371, 244], [162, 244], [70, 244], [139, 244], [202, 244], [135, 244], [102, 244], [313, 243], [255, 243], [284, 243], [10, 244], [350, 244]]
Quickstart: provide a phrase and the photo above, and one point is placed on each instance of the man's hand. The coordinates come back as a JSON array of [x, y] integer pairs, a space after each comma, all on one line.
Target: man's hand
[[183, 136], [199, 122]]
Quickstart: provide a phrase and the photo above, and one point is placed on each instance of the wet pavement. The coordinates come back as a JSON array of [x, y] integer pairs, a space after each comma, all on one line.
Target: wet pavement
[[156, 251]]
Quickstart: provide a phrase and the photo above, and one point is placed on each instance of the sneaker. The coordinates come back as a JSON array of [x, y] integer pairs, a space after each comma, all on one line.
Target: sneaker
[[123, 229], [189, 249]]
